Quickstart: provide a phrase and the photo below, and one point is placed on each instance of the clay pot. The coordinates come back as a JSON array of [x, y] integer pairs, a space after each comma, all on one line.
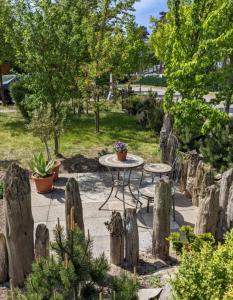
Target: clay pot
[[121, 156], [43, 184], [56, 168]]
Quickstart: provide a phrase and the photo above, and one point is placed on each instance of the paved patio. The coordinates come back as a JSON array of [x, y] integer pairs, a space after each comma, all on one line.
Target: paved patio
[[94, 188]]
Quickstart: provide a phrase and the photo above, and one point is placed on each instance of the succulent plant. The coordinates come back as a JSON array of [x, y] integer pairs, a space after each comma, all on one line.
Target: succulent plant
[[41, 167]]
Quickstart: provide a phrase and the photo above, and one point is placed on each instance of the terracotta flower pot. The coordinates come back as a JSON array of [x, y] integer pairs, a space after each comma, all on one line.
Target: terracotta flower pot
[[56, 169], [43, 184], [121, 156]]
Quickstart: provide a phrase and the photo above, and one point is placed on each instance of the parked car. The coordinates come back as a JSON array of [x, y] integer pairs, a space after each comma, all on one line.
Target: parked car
[[7, 81]]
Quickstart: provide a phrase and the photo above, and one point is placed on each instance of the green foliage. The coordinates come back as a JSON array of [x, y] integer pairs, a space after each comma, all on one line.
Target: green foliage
[[125, 287], [191, 40], [149, 108], [205, 272], [186, 240], [72, 272], [18, 91], [153, 80], [195, 119], [1, 189], [40, 166], [154, 281]]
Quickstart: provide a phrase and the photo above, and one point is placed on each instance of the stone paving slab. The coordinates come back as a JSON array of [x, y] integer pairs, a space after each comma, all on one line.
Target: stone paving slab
[[94, 188]]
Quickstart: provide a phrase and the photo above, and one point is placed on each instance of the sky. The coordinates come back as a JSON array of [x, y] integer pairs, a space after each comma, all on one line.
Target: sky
[[147, 8]]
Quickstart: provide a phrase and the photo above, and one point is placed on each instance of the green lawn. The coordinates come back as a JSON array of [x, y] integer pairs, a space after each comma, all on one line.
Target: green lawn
[[79, 137]]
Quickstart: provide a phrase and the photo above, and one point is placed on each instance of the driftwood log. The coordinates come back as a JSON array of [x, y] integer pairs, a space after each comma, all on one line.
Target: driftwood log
[[116, 229], [131, 238], [193, 161], [73, 199], [161, 220], [42, 242], [3, 259], [19, 224], [225, 203], [164, 136], [208, 212]]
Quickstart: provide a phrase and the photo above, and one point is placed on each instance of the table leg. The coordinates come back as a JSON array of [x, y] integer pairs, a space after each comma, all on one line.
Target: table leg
[[131, 192], [123, 191], [112, 188]]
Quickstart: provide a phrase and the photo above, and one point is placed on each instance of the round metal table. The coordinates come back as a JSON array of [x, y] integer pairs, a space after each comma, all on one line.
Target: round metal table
[[123, 175]]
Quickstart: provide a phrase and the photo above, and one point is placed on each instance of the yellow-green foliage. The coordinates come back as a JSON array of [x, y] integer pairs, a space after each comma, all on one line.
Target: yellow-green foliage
[[206, 272]]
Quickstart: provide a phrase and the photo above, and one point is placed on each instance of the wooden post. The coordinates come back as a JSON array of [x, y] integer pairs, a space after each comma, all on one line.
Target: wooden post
[[73, 199], [3, 259], [208, 213], [116, 229], [193, 161], [164, 135], [225, 199], [19, 224], [183, 175], [42, 242], [131, 238], [161, 220]]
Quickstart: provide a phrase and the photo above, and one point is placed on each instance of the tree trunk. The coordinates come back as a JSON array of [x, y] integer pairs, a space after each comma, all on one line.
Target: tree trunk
[[224, 197], [3, 259], [161, 220], [1, 88], [131, 238], [56, 142], [73, 199], [115, 227], [208, 212], [42, 242], [164, 135], [19, 224]]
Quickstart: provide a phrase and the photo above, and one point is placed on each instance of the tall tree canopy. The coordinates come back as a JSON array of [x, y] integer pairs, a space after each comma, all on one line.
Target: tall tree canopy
[[195, 42]]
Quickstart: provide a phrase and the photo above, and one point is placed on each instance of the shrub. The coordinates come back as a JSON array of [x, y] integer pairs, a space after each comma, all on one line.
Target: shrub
[[18, 91], [125, 287], [205, 271]]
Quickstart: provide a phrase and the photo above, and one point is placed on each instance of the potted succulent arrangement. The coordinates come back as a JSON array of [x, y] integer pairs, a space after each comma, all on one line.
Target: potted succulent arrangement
[[43, 174], [121, 150]]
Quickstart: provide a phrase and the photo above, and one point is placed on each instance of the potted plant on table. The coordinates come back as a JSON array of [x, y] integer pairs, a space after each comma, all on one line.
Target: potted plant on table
[[43, 174], [121, 150]]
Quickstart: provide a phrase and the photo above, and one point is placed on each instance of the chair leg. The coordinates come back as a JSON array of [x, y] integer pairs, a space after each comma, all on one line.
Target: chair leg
[[148, 205], [173, 205]]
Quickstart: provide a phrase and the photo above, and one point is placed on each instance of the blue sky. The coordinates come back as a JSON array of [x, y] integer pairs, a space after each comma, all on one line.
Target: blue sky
[[147, 8]]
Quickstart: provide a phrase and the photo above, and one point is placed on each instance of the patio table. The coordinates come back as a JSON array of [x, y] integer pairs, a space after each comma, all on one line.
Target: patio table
[[123, 172]]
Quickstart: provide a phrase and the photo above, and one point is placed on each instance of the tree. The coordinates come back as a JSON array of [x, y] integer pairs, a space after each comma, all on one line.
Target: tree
[[194, 42], [6, 51], [50, 44], [102, 25]]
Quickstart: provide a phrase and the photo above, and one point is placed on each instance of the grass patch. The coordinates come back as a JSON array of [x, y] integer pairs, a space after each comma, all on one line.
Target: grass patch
[[79, 137]]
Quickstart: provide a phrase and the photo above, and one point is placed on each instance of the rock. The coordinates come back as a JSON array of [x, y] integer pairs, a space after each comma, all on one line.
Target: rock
[[147, 294], [166, 293]]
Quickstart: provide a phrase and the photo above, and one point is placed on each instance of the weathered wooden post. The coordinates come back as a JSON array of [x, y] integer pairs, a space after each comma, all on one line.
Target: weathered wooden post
[[3, 259], [164, 135], [73, 199], [42, 242], [19, 224], [161, 220], [116, 229], [193, 161], [131, 238], [183, 175], [224, 202], [208, 212]]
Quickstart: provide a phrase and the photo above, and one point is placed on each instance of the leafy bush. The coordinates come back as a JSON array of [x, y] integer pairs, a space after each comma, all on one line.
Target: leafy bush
[[125, 287], [18, 91], [194, 120], [205, 271]]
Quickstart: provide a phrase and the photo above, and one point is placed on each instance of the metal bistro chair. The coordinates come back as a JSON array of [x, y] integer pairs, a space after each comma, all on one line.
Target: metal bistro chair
[[147, 190]]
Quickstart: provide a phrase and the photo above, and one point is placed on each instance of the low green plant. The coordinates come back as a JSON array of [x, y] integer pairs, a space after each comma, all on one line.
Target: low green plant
[[205, 271], [125, 287], [40, 166], [154, 281]]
